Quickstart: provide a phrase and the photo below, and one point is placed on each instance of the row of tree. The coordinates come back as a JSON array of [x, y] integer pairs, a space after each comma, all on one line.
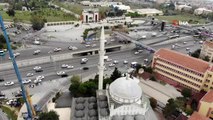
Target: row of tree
[[88, 88]]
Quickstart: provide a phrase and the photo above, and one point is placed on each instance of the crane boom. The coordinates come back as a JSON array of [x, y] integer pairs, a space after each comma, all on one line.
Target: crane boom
[[29, 111]]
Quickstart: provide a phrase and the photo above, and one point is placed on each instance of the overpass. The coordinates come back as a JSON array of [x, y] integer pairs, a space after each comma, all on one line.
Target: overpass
[[138, 44]]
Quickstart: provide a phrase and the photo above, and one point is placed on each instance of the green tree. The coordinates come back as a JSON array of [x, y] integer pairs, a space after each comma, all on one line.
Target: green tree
[[170, 108], [186, 92], [11, 12], [116, 74], [51, 115], [153, 102], [37, 22], [196, 53], [206, 58], [74, 87]]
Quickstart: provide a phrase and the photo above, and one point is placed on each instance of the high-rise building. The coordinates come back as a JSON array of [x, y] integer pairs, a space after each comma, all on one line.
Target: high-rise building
[[182, 71]]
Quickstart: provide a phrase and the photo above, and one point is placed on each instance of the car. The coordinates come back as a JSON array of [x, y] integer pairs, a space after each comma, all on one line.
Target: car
[[84, 60], [146, 60], [85, 68], [72, 48], [115, 62], [70, 67], [140, 51], [136, 53], [125, 62], [143, 37], [40, 77], [87, 45], [108, 59], [2, 96], [57, 49], [1, 79], [187, 49], [29, 74], [64, 66], [201, 42], [36, 42], [37, 81], [105, 69], [37, 69], [59, 73], [15, 55], [9, 83], [26, 81], [111, 65], [36, 52], [94, 45], [173, 46], [184, 42]]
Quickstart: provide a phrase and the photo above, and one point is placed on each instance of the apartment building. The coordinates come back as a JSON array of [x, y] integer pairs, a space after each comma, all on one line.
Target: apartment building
[[182, 70], [207, 50], [205, 106]]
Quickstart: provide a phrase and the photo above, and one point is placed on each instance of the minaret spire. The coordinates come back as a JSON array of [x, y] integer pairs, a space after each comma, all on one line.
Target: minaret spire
[[101, 59]]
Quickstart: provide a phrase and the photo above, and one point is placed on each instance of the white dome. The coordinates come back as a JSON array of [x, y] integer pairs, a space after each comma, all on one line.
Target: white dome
[[124, 90]]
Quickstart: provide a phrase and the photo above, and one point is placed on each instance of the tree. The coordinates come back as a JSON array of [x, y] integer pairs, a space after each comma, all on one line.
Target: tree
[[37, 22], [153, 102], [206, 58], [116, 74], [51, 115], [196, 53], [170, 108], [74, 87], [11, 12], [186, 92]]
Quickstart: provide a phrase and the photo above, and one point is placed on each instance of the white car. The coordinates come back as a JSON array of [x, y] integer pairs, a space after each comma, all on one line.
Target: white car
[[15, 55], [57, 49], [201, 42], [9, 83], [111, 65], [87, 45], [94, 45], [136, 53], [72, 48], [140, 51], [36, 42], [29, 74], [115, 62], [59, 73], [26, 81], [36, 68], [187, 49], [40, 77], [64, 66], [146, 60], [84, 60], [125, 62], [37, 81], [36, 52], [70, 66], [108, 59]]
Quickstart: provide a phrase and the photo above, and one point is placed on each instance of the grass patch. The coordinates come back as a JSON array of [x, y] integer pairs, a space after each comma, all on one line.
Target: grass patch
[[10, 113], [183, 17], [51, 15], [76, 8]]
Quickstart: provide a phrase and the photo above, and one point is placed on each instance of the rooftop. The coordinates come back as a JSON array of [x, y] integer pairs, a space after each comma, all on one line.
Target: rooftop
[[197, 116], [183, 60], [208, 97]]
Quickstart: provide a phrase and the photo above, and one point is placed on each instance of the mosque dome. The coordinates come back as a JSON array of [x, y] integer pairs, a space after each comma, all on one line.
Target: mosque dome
[[125, 90]]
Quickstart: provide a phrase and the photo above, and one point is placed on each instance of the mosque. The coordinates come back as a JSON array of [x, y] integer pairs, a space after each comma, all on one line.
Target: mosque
[[123, 99]]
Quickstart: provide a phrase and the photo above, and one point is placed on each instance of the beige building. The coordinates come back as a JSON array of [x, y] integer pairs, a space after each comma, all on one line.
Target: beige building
[[207, 50], [148, 12], [205, 106], [90, 15], [202, 11], [182, 71]]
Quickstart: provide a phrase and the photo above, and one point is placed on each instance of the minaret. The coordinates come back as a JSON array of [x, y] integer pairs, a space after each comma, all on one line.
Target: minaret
[[101, 59]]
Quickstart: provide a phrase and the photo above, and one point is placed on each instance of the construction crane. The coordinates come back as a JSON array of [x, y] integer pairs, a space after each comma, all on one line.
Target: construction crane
[[24, 94]]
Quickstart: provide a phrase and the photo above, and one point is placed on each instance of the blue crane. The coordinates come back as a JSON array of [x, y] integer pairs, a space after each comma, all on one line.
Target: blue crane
[[29, 109]]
